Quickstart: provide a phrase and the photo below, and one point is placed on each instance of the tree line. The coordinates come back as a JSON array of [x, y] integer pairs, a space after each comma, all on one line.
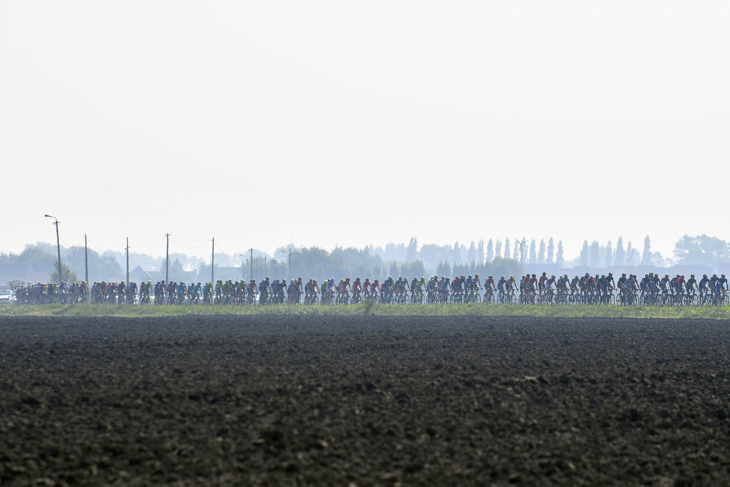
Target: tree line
[[493, 256]]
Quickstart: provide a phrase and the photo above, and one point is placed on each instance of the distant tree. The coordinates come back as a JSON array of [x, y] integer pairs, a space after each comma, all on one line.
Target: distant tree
[[444, 269], [490, 250], [646, 256], [471, 254], [69, 276], [632, 255], [393, 270], [501, 267], [377, 272], [541, 253], [609, 254], [177, 273], [412, 250], [533, 252], [595, 253], [480, 252], [620, 256], [701, 250], [550, 251], [516, 253], [507, 248], [584, 254], [413, 269], [658, 260], [559, 260], [456, 253]]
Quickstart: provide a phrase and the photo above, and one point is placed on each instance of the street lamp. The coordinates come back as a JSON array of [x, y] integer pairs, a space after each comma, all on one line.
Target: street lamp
[[58, 245]]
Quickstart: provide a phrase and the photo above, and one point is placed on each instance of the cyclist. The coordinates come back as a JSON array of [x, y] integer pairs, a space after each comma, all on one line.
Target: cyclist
[[610, 283], [444, 288], [366, 288], [541, 282], [264, 288], [702, 286], [331, 291], [356, 288], [510, 287]]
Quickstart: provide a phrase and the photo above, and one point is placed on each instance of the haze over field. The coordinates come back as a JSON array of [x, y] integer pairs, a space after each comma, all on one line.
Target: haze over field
[[354, 124]]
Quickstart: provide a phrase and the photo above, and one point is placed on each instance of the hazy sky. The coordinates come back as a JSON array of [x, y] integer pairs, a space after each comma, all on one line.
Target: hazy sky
[[323, 123]]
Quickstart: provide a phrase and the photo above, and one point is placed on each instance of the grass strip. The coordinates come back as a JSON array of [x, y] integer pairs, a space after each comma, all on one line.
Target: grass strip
[[577, 311]]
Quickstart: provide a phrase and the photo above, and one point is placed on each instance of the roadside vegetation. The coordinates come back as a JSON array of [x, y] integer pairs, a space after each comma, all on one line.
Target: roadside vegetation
[[372, 309]]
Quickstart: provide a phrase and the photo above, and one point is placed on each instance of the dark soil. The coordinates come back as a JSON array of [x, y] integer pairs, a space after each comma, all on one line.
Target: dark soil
[[364, 401]]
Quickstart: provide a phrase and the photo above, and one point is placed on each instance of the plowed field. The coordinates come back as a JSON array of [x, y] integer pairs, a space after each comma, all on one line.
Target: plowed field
[[364, 401]]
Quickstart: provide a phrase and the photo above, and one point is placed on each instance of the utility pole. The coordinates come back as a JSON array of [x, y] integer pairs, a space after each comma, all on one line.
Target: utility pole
[[167, 260], [212, 264], [58, 244], [86, 261], [127, 249]]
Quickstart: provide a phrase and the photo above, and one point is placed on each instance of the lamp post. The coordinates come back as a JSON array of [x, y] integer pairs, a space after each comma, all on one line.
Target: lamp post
[[58, 245]]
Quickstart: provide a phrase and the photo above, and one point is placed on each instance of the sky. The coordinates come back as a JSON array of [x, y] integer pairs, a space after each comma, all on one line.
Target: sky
[[263, 123]]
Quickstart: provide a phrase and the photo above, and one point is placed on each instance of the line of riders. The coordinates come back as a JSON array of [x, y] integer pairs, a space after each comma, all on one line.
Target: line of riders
[[627, 290]]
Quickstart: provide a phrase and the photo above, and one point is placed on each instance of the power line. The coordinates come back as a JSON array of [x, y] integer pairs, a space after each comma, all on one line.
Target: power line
[[219, 248], [153, 251], [186, 247], [97, 248]]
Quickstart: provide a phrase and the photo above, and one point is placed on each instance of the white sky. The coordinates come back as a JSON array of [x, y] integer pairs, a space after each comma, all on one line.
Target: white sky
[[377, 121]]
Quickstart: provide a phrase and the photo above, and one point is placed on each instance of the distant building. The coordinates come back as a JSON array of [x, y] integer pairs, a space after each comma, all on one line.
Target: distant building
[[140, 275]]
